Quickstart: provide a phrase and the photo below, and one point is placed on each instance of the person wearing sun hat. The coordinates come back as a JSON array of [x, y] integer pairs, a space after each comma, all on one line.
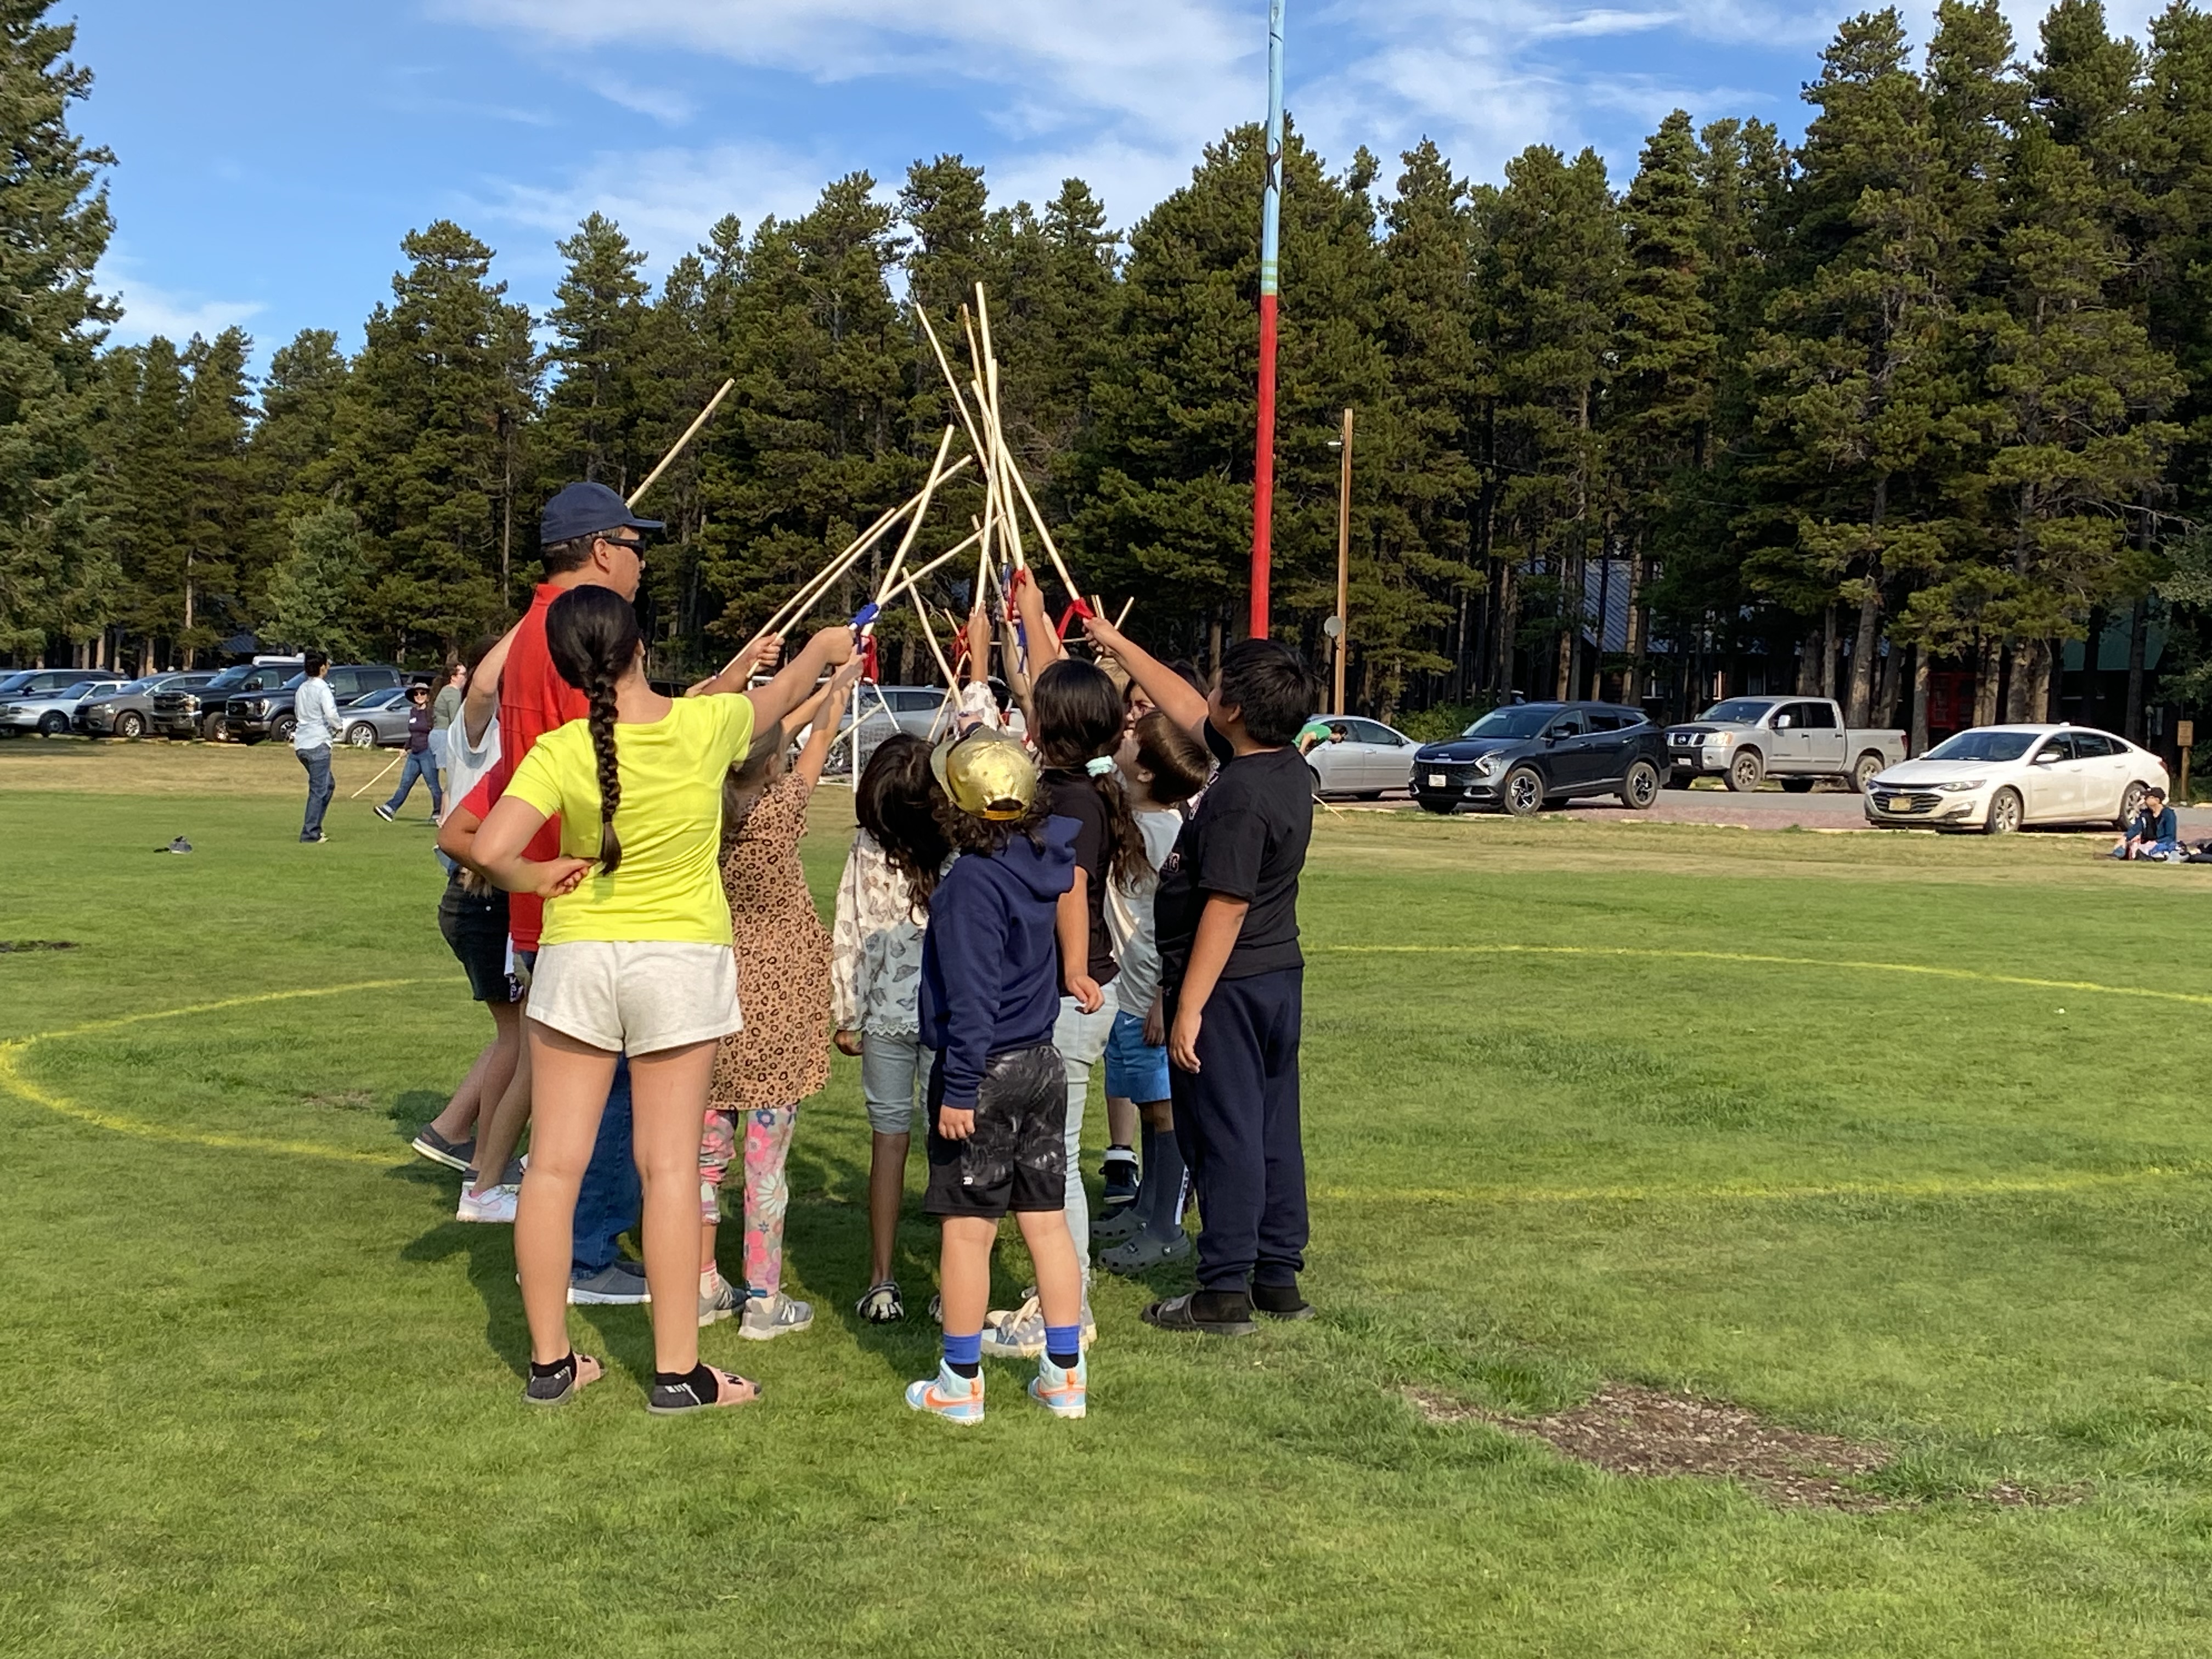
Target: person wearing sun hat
[[998, 1098]]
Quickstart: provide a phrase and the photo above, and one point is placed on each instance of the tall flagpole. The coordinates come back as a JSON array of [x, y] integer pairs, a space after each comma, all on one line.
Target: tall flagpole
[[1270, 211]]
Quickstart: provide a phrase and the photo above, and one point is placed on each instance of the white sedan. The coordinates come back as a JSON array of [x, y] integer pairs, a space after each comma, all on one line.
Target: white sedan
[[1996, 778], [1368, 759]]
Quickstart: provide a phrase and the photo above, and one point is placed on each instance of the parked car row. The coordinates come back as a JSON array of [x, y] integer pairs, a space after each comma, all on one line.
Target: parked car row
[[246, 703]]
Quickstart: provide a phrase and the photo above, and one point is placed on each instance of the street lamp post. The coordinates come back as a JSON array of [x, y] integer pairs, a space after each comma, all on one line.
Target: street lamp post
[[1341, 635]]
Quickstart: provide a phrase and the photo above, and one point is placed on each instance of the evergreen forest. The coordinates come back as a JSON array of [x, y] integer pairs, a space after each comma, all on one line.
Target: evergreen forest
[[1913, 410]]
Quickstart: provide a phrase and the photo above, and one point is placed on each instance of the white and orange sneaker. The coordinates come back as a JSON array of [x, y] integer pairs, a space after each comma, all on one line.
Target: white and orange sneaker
[[1062, 1393], [948, 1394]]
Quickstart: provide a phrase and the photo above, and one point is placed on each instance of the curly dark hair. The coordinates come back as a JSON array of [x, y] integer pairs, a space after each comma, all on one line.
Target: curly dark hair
[[592, 635], [967, 833], [896, 803]]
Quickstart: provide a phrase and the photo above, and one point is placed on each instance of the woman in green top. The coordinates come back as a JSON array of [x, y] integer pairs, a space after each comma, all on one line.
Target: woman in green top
[[634, 958]]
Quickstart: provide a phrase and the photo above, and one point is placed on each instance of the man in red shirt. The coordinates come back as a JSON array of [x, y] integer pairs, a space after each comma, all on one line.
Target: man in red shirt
[[587, 539]]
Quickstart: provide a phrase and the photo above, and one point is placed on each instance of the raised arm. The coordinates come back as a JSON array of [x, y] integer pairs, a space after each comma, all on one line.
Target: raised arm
[[738, 673], [830, 649], [480, 700], [1043, 642], [1168, 690], [822, 708]]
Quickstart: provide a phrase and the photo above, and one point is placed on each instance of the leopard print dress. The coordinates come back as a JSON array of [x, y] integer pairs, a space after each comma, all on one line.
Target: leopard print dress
[[782, 1055]]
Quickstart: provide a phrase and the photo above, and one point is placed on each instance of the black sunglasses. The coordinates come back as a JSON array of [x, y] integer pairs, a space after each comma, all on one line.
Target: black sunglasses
[[638, 548]]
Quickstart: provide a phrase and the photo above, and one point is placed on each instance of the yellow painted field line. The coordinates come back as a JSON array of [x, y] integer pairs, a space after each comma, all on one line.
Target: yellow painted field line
[[1910, 1187], [12, 1080], [1933, 972]]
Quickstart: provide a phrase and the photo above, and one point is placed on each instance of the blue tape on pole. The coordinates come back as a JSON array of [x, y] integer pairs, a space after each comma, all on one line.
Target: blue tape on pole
[[866, 614]]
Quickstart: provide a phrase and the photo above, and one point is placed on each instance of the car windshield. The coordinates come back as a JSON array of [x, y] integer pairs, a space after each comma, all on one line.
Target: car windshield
[[1737, 711], [1519, 721], [1982, 746], [15, 682], [229, 677]]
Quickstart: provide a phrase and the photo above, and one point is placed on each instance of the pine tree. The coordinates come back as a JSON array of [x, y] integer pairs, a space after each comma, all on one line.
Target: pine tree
[[314, 595], [1551, 271], [57, 578], [591, 415], [292, 439], [424, 441], [226, 546], [2071, 389], [1661, 408], [1416, 486], [814, 446], [1852, 364], [147, 496]]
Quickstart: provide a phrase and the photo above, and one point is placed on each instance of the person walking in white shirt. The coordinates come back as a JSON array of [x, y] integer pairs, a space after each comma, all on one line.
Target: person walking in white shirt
[[317, 712]]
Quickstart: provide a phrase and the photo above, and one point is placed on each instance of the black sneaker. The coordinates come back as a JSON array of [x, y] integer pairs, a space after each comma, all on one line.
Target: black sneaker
[[1280, 1302]]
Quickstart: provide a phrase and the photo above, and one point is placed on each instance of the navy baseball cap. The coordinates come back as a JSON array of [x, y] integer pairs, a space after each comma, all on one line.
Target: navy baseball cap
[[586, 510]]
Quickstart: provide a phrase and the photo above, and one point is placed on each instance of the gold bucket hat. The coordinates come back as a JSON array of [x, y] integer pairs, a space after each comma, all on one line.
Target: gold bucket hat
[[987, 774]]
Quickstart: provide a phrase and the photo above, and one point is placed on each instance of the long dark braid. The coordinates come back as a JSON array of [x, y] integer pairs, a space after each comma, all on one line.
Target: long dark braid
[[592, 635], [1079, 716]]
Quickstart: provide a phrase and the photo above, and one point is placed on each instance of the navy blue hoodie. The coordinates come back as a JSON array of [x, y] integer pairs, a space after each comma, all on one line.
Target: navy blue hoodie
[[990, 961]]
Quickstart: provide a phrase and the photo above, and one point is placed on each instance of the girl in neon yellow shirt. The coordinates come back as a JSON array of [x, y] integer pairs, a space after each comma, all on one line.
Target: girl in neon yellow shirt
[[634, 958]]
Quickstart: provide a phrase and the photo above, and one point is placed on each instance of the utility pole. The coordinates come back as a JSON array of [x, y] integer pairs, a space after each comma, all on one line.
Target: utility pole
[[1343, 560]]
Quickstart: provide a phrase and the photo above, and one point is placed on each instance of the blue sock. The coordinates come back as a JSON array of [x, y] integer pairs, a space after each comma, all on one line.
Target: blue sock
[[964, 1354], [1063, 1346]]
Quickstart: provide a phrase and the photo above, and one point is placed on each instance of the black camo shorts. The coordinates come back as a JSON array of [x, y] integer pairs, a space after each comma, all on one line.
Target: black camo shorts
[[1017, 1159]]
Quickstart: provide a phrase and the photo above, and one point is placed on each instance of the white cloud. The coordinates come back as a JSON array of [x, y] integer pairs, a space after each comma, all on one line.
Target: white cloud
[[148, 310], [665, 199]]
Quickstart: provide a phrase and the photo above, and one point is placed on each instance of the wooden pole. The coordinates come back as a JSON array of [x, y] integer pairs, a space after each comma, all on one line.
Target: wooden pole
[[689, 433], [1343, 562], [921, 512]]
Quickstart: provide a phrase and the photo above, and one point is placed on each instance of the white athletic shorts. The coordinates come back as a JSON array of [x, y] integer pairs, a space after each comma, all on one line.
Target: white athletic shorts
[[639, 996]]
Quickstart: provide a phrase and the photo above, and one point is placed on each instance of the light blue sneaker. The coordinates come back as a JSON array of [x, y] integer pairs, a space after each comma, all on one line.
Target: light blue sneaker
[[1064, 1393], [948, 1394]]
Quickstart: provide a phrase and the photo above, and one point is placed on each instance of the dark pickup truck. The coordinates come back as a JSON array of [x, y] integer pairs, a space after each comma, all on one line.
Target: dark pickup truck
[[253, 715], [202, 711]]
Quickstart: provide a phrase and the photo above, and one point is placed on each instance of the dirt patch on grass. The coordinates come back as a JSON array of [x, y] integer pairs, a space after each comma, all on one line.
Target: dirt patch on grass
[[1624, 1429], [343, 1100], [9, 946]]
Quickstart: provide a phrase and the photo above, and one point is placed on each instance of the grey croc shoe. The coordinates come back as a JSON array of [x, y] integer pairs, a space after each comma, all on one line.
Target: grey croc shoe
[[1144, 1253]]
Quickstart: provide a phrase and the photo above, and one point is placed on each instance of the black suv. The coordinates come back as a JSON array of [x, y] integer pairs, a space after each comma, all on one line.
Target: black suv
[[200, 711], [1529, 756], [255, 715]]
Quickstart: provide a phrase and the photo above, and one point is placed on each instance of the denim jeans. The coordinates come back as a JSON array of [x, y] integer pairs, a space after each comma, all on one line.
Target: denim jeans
[[608, 1202], [320, 789], [425, 767]]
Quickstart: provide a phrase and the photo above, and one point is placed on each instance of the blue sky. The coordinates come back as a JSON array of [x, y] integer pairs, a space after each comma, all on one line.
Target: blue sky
[[270, 157]]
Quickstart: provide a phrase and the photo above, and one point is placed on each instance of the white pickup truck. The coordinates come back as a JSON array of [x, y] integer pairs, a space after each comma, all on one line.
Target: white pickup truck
[[1799, 740]]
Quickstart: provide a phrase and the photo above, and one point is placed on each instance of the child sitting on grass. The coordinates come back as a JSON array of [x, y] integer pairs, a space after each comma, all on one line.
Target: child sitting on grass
[[998, 1091], [2152, 833]]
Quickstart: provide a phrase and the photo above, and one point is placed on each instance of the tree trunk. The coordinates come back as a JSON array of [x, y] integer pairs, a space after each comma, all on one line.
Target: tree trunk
[[1863, 650], [1638, 626], [1889, 687], [1989, 657], [2024, 697], [2054, 657], [1213, 644], [1508, 624], [1921, 665], [1561, 683], [2138, 631], [1828, 656]]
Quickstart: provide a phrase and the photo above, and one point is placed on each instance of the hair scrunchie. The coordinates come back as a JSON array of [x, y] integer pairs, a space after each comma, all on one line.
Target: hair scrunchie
[[1099, 765]]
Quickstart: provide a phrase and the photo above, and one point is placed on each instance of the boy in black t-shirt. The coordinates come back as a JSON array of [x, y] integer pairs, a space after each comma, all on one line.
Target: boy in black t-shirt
[[1228, 926]]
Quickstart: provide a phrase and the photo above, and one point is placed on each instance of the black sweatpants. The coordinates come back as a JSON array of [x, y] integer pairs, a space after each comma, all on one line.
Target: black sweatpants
[[1237, 1122]]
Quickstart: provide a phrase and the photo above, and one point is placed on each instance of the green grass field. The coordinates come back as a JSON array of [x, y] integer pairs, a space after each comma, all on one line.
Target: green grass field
[[1583, 1103]]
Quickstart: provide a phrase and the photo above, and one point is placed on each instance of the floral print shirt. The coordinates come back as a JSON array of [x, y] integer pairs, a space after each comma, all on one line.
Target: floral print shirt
[[875, 967]]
